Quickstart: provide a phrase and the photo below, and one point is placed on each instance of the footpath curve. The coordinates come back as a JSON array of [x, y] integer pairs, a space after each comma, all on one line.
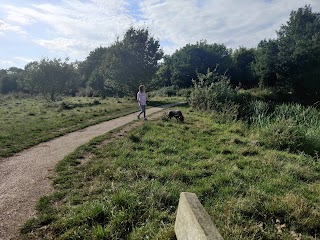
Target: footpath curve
[[25, 177]]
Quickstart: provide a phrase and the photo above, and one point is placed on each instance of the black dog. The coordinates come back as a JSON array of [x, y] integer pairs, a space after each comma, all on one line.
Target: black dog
[[175, 113]]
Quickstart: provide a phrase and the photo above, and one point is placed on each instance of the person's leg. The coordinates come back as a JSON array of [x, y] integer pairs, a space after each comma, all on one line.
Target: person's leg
[[144, 112]]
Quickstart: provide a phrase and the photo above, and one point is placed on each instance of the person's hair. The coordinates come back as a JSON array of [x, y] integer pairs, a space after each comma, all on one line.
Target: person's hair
[[141, 88]]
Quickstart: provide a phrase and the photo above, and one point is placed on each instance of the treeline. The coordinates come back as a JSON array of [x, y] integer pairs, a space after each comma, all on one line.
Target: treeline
[[290, 64], [115, 70]]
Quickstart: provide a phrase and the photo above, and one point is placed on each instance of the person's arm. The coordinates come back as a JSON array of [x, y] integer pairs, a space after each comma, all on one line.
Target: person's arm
[[138, 98]]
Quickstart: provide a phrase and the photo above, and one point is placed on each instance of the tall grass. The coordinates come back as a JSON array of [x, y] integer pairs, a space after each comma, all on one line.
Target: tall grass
[[288, 126]]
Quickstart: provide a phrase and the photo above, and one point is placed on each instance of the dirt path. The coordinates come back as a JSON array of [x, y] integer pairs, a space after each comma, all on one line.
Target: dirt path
[[25, 177]]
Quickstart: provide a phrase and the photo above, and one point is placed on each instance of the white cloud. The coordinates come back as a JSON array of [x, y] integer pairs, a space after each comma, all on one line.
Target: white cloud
[[74, 19], [235, 23], [8, 27], [5, 61], [6, 64], [73, 27], [15, 61], [23, 59], [18, 18], [69, 47]]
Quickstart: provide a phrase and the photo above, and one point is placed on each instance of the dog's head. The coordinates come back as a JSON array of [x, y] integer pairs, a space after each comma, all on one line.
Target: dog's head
[[170, 114], [181, 118]]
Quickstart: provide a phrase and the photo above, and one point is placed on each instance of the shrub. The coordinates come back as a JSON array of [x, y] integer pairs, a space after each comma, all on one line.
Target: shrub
[[211, 92], [63, 106], [164, 92], [85, 92], [184, 92], [15, 95], [170, 91], [228, 112]]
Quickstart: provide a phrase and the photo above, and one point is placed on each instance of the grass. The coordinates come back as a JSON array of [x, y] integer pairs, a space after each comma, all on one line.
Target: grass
[[26, 122], [290, 127], [130, 188]]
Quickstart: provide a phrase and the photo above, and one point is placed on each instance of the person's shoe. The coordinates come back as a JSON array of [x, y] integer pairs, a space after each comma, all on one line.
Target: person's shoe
[[145, 119], [138, 116]]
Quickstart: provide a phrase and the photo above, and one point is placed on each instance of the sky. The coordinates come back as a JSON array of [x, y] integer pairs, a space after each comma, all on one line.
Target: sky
[[32, 30]]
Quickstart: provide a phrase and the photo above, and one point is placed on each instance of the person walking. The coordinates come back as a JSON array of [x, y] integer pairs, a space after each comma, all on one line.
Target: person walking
[[142, 101]]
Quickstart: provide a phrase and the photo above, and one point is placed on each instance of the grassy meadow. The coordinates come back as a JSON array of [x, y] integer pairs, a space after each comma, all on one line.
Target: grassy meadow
[[129, 189], [27, 121]]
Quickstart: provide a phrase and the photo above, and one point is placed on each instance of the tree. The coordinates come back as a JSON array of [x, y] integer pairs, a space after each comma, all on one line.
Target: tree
[[187, 62], [49, 77], [97, 83], [132, 61], [265, 62], [243, 59], [299, 51], [9, 80], [7, 85], [162, 77], [91, 63], [73, 81]]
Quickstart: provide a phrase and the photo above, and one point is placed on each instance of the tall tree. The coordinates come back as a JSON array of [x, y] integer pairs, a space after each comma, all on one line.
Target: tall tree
[[97, 83], [162, 77], [243, 59], [7, 84], [49, 77], [91, 64], [299, 51], [193, 59], [132, 61], [265, 62], [9, 79]]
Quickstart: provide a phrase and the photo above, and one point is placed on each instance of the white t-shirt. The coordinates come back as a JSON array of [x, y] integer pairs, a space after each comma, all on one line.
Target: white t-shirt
[[141, 98]]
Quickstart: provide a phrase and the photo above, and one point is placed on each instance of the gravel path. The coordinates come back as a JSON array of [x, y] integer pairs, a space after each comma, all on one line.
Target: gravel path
[[25, 177]]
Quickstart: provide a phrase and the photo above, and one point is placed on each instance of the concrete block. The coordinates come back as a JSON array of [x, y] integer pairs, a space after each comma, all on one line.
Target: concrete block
[[192, 220]]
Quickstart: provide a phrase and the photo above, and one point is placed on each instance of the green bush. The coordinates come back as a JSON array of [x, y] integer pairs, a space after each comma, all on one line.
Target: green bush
[[85, 92], [170, 91], [164, 92], [184, 92], [229, 111], [211, 92]]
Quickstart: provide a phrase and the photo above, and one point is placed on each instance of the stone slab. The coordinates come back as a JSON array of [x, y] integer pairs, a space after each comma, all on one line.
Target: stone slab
[[192, 220]]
